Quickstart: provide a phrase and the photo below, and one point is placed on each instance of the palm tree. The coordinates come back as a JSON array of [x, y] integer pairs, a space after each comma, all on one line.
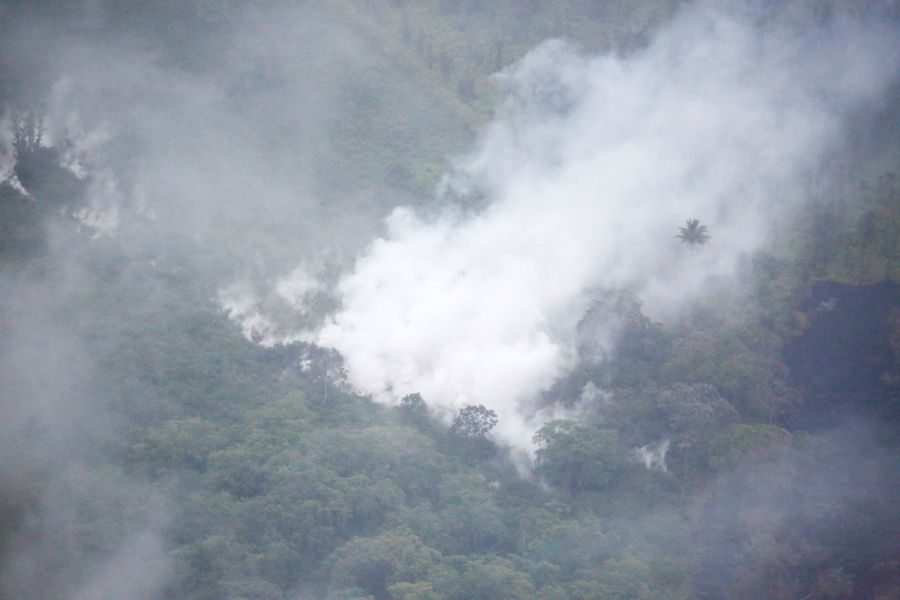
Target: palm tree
[[694, 233]]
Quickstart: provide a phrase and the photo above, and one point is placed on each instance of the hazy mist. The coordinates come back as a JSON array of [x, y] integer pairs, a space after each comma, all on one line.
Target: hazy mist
[[263, 170]]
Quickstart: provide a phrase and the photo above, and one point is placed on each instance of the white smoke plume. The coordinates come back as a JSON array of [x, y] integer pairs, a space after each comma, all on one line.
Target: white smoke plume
[[273, 319], [653, 456], [591, 167]]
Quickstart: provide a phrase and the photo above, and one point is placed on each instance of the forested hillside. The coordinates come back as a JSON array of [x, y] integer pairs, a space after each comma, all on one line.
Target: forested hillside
[[212, 388]]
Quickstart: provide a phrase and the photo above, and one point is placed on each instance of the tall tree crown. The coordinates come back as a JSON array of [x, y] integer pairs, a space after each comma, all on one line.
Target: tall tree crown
[[693, 233]]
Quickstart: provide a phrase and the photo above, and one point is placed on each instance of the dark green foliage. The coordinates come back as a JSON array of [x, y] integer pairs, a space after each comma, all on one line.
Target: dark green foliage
[[471, 520], [578, 455], [489, 578], [742, 442], [617, 344], [693, 414], [413, 408], [38, 167], [413, 403], [473, 421], [374, 564], [746, 371]]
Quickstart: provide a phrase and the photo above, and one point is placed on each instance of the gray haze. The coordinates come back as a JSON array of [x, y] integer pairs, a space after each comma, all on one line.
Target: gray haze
[[54, 427], [231, 143], [212, 153]]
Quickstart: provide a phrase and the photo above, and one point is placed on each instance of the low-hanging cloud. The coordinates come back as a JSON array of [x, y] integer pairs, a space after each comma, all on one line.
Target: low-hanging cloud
[[591, 166]]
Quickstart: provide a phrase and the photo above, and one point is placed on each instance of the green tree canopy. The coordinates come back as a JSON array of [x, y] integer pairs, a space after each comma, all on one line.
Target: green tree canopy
[[473, 421], [577, 454]]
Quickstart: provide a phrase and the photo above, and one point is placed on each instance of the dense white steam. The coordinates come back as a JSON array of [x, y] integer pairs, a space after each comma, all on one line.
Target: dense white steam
[[588, 172]]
